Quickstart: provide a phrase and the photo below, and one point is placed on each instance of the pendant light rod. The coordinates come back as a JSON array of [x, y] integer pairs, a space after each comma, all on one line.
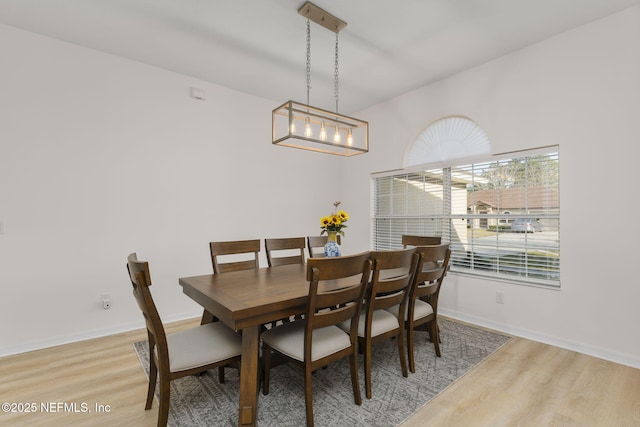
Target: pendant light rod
[[321, 17], [308, 69]]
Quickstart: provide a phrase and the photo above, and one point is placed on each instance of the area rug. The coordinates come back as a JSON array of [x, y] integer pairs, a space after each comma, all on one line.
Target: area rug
[[202, 401]]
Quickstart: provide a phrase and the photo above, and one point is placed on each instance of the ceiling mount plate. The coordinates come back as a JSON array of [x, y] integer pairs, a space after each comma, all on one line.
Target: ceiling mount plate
[[321, 17]]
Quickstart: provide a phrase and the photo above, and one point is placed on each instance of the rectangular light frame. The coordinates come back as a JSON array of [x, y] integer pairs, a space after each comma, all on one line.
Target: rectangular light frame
[[290, 119]]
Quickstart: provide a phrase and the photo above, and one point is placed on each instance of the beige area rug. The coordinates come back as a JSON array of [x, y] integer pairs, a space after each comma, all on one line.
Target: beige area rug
[[202, 401]]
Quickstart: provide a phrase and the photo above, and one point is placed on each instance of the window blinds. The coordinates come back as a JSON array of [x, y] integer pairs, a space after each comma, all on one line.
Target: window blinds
[[501, 217]]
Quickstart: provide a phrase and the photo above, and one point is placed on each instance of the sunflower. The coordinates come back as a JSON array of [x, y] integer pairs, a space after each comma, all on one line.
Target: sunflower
[[343, 216], [325, 221]]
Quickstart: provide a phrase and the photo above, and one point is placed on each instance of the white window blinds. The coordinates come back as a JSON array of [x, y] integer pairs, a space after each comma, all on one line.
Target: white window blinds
[[502, 217]]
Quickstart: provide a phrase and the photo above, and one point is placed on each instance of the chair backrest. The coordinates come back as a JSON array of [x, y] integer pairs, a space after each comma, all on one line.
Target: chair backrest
[[141, 280], [315, 244], [286, 247], [393, 274], [434, 262], [336, 291], [409, 240], [233, 248]]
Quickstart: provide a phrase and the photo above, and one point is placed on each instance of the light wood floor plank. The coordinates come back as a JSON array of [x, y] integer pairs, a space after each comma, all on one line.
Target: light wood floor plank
[[523, 384]]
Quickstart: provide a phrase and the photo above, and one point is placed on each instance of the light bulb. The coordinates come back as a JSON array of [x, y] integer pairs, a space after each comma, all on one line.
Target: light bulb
[[292, 128], [307, 127], [349, 137], [336, 136], [323, 132]]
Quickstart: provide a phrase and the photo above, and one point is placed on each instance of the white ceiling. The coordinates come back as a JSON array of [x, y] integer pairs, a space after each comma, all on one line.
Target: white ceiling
[[259, 46]]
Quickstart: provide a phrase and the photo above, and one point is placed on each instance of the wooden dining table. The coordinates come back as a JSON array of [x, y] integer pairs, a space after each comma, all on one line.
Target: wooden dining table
[[245, 300]]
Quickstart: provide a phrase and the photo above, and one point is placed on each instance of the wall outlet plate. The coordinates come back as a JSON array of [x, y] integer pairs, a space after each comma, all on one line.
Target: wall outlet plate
[[106, 301]]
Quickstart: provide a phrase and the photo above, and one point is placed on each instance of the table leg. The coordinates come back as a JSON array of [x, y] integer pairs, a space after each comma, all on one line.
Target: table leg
[[249, 376]]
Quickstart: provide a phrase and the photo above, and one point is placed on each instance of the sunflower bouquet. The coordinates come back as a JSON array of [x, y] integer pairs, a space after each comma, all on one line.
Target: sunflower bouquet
[[334, 222]]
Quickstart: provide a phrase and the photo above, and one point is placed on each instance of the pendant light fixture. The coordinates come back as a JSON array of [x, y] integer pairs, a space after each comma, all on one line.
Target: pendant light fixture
[[302, 126]]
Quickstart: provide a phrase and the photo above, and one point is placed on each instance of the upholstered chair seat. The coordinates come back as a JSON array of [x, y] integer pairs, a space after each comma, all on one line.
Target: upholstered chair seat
[[421, 309], [382, 321], [202, 345], [289, 340]]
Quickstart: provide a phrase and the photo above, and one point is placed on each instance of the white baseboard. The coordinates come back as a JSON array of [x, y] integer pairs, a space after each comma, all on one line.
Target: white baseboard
[[599, 352], [68, 339]]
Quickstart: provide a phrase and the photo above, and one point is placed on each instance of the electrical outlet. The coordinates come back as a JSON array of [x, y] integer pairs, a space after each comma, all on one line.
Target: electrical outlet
[[500, 297], [106, 301]]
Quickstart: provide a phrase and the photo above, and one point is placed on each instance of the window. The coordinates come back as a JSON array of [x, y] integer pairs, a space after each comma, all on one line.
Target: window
[[501, 217]]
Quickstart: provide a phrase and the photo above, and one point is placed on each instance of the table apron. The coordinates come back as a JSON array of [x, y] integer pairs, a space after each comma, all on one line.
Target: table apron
[[248, 317], [245, 319]]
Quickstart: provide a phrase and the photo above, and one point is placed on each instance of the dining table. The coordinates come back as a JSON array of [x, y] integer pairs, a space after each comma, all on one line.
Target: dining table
[[245, 300]]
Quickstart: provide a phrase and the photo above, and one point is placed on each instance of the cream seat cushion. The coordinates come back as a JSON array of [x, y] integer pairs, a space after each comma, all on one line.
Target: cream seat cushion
[[289, 340], [381, 321], [202, 345], [422, 309]]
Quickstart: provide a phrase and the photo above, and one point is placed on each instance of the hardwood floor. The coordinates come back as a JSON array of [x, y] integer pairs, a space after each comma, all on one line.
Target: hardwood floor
[[526, 383], [523, 384]]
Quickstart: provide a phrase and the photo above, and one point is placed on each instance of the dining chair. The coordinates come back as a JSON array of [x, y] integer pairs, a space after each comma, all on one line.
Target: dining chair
[[316, 341], [220, 250], [284, 251], [392, 277], [422, 306], [234, 255], [315, 245], [182, 353], [412, 240]]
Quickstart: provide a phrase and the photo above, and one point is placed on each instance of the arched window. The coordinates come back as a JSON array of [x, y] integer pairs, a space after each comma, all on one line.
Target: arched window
[[451, 137], [454, 188]]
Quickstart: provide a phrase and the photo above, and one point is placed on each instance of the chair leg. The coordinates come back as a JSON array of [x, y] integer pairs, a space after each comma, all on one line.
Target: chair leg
[[221, 374], [431, 336], [355, 383], [412, 362], [163, 411], [436, 336], [403, 362], [367, 369], [153, 377], [308, 397], [266, 370]]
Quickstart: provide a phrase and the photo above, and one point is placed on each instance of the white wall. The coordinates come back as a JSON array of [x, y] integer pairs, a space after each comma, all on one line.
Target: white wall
[[101, 156], [580, 90]]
